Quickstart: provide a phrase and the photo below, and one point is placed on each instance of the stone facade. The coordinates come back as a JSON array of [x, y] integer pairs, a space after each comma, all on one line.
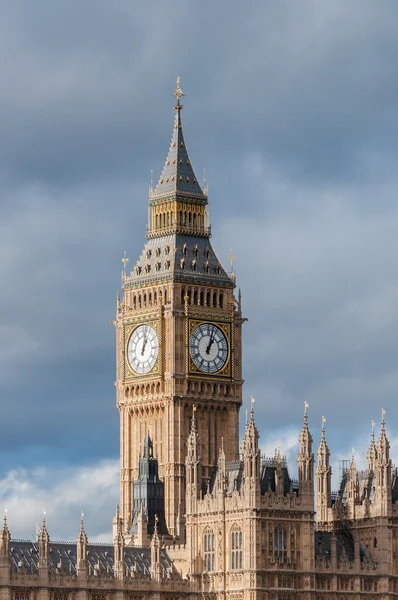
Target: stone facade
[[201, 516]]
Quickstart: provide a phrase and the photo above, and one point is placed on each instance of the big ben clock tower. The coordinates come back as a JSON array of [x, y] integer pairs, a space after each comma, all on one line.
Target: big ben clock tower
[[178, 339]]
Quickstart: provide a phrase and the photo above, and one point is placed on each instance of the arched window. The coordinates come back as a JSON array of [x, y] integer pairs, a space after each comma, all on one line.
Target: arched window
[[236, 548], [222, 300], [195, 297], [208, 299], [280, 542], [202, 300], [214, 300], [183, 296], [208, 550]]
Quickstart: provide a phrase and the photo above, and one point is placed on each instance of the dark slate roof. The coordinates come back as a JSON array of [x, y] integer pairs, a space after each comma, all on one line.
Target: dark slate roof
[[344, 545], [267, 481], [178, 179], [62, 557], [161, 258]]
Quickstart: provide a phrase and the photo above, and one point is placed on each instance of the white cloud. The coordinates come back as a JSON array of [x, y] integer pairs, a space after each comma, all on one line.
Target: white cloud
[[63, 492]]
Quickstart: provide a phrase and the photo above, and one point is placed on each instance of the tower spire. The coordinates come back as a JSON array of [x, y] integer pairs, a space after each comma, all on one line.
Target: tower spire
[[178, 179], [305, 457], [324, 478], [372, 452]]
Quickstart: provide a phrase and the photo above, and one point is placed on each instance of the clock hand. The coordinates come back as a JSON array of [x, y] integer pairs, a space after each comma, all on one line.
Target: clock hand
[[144, 344], [210, 342]]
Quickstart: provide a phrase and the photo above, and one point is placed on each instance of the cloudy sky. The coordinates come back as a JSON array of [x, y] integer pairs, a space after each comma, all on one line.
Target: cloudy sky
[[292, 109]]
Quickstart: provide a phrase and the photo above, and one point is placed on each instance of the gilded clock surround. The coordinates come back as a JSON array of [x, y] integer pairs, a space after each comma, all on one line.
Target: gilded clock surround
[[128, 329], [226, 328]]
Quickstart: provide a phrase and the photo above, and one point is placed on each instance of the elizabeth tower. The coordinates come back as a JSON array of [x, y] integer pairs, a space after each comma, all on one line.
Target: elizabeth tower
[[178, 339]]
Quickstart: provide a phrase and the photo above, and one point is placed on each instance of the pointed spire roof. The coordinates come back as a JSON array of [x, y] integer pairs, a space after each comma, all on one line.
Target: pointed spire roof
[[5, 531], [178, 179], [323, 449], [305, 439], [250, 439], [383, 445], [193, 439], [148, 446], [372, 452], [82, 537], [43, 531]]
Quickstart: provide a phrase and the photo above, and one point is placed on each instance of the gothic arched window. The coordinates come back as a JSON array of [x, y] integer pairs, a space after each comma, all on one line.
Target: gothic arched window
[[280, 542], [236, 548], [208, 550]]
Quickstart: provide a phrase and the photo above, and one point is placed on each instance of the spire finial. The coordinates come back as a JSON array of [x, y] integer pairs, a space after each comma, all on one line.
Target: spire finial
[[125, 260], [383, 412], [205, 186], [252, 401], [323, 426], [178, 94], [373, 429], [5, 518], [306, 405]]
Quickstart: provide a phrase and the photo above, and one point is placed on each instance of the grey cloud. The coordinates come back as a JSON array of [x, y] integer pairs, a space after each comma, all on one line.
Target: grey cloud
[[291, 107]]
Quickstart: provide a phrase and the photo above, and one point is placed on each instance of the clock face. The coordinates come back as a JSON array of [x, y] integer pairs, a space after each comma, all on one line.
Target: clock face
[[209, 348], [143, 349]]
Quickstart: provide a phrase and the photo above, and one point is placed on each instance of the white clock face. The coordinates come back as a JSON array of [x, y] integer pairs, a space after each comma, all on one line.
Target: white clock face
[[209, 348], [143, 349]]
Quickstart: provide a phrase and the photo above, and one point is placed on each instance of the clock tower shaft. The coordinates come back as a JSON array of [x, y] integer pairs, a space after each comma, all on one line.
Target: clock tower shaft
[[181, 293]]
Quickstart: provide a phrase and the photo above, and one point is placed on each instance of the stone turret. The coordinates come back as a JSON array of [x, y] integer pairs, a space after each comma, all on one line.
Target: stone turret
[[118, 543], [324, 478], [372, 452], [251, 456], [5, 539], [43, 546], [383, 471], [192, 462], [142, 538], [81, 549], [353, 488], [305, 460], [156, 568]]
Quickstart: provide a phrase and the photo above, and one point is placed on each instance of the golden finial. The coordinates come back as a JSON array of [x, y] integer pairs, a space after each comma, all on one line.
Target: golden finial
[[194, 409], [205, 186], [323, 423], [125, 260], [383, 412], [306, 405], [178, 93], [222, 444], [373, 427], [231, 259]]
